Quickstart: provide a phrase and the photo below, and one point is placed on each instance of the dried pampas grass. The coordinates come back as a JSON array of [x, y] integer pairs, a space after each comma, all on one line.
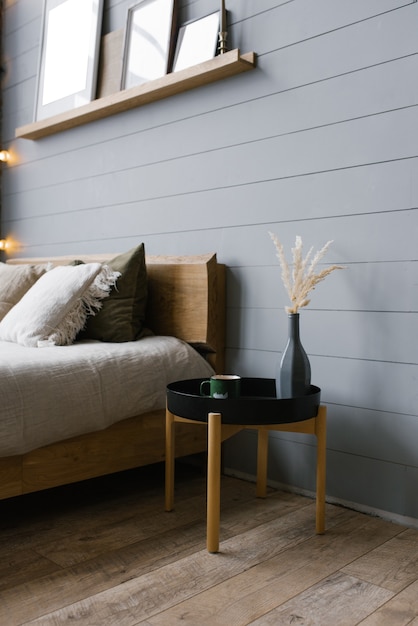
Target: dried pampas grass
[[302, 279]]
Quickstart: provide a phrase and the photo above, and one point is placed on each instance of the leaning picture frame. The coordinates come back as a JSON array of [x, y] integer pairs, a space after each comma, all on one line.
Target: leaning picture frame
[[197, 41], [69, 55], [149, 41]]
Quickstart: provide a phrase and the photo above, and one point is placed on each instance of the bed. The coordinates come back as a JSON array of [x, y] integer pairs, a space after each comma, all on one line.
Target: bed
[[117, 429]]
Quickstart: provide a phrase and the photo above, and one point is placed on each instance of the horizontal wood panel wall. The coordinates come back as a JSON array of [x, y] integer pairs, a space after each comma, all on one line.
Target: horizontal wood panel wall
[[321, 140]]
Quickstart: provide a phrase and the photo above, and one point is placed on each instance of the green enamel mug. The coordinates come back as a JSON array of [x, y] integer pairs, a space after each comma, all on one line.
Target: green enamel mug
[[221, 386]]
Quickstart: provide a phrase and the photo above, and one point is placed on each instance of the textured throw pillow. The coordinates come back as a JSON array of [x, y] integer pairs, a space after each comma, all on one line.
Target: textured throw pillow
[[122, 315], [55, 309], [15, 281]]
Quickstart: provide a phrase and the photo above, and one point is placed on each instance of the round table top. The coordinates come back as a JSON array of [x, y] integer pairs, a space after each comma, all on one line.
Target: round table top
[[256, 405]]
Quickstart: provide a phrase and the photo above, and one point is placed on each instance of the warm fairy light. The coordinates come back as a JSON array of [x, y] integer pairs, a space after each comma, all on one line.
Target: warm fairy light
[[7, 244], [4, 156]]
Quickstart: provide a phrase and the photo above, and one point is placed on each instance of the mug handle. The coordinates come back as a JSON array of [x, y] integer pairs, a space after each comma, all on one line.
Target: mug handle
[[202, 386]]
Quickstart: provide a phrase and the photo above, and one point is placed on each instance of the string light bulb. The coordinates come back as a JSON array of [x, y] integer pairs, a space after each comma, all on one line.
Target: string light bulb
[[5, 244], [4, 156]]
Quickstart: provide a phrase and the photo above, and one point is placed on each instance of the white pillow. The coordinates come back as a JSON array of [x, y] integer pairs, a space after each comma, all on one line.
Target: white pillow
[[15, 281], [55, 309]]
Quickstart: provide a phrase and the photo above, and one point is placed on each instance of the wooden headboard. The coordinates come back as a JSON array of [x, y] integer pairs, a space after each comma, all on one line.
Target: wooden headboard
[[186, 298]]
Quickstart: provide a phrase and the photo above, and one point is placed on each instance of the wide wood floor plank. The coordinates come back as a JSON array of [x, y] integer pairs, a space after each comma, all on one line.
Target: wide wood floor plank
[[257, 591], [104, 552], [49, 593], [84, 526], [114, 534], [402, 610], [183, 532], [138, 599], [21, 565], [339, 599], [381, 568], [70, 514]]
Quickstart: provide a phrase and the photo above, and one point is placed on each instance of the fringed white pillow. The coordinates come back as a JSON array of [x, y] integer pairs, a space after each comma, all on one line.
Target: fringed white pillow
[[55, 309]]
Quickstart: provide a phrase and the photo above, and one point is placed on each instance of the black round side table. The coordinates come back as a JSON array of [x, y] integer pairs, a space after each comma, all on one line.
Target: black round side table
[[257, 408]]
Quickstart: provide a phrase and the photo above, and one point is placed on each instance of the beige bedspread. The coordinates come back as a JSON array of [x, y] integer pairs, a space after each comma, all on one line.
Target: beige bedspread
[[53, 393]]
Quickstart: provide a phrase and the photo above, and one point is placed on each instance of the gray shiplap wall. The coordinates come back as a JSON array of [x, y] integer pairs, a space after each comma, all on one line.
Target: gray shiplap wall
[[319, 141]]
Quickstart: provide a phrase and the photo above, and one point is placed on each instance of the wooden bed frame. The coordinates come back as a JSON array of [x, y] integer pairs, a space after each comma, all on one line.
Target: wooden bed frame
[[187, 300]]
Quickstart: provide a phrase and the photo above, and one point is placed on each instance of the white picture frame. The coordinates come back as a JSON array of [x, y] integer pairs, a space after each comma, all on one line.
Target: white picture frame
[[149, 41], [69, 55], [197, 41]]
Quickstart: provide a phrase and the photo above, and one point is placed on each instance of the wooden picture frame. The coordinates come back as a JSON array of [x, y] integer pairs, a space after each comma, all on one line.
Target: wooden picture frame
[[149, 41], [69, 51], [197, 41]]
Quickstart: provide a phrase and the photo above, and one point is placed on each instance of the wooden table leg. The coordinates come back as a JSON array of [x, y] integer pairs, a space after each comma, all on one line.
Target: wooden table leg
[[214, 481], [321, 434], [169, 460], [262, 454]]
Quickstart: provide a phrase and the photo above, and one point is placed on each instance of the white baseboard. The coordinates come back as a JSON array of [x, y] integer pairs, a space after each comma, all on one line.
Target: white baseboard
[[388, 516]]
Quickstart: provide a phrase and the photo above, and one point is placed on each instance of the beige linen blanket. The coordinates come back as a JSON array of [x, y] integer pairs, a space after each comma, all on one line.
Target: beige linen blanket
[[53, 393]]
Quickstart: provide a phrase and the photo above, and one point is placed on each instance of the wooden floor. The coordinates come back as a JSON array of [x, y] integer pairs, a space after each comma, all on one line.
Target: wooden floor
[[105, 553]]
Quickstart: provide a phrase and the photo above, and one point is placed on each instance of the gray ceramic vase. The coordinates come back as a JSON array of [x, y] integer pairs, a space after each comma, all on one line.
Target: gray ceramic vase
[[294, 373]]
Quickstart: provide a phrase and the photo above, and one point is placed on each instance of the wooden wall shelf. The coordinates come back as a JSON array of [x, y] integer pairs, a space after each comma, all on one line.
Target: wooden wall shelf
[[218, 68]]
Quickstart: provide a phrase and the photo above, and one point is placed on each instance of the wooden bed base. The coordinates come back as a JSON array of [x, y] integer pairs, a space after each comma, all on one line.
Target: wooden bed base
[[187, 300]]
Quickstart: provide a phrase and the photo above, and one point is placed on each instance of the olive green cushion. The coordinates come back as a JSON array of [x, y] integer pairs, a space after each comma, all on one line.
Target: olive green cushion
[[122, 315]]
